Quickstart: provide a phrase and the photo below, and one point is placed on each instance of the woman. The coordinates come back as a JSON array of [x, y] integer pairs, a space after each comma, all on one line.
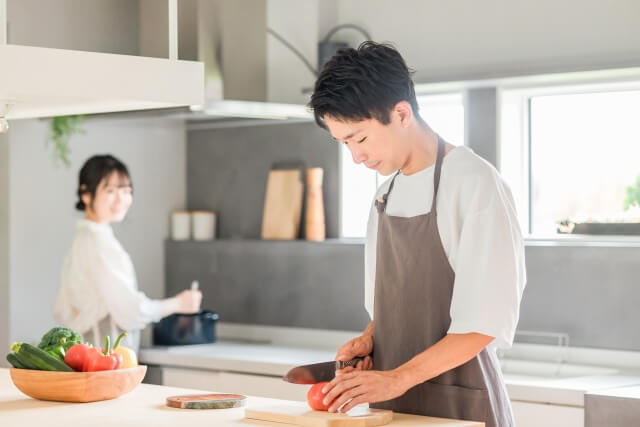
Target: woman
[[98, 292]]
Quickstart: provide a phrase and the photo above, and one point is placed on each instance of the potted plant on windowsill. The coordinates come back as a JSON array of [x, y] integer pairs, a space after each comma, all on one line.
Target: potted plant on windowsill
[[633, 196], [628, 223]]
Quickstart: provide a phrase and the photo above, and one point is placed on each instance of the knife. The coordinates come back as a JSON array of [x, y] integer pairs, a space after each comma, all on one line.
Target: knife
[[317, 372]]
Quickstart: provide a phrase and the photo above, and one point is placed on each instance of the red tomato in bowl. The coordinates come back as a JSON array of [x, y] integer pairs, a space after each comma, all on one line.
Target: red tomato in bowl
[[315, 396]]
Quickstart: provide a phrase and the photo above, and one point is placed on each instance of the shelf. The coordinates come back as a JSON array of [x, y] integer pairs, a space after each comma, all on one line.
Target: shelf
[[300, 242], [44, 82], [582, 240], [534, 241], [551, 241]]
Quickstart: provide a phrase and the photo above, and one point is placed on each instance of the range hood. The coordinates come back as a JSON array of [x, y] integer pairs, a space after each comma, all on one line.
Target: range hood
[[222, 70], [230, 38], [43, 82]]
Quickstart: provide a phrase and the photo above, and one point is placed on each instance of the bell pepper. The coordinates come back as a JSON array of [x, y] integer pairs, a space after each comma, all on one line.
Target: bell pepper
[[104, 360], [116, 353], [76, 356], [129, 359]]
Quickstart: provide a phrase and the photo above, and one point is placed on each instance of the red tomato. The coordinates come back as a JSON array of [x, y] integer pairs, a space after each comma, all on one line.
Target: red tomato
[[315, 396]]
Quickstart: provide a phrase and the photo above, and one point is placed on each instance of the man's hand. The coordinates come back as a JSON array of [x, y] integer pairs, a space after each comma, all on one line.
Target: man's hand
[[358, 386], [361, 346]]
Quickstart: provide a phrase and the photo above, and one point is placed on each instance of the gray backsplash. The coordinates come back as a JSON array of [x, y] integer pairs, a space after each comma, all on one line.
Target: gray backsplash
[[296, 283], [588, 292], [227, 170]]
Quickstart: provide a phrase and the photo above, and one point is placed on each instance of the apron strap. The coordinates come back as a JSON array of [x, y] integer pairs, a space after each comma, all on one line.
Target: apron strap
[[436, 173], [381, 202]]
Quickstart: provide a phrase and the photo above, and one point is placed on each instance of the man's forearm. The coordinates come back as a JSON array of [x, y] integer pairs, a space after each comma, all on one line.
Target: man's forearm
[[450, 352]]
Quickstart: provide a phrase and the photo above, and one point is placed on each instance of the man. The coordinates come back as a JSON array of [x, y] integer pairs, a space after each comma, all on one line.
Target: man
[[444, 256]]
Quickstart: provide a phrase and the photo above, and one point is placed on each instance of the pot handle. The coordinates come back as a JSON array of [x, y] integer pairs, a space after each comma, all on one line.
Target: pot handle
[[211, 315]]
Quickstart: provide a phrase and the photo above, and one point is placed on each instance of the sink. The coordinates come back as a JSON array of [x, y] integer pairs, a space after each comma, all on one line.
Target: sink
[[529, 369]]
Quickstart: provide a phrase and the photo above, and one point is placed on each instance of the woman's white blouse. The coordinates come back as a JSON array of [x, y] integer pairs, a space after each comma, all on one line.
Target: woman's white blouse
[[98, 280]]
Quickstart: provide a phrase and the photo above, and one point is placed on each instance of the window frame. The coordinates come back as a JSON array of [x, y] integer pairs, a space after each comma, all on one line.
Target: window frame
[[517, 97]]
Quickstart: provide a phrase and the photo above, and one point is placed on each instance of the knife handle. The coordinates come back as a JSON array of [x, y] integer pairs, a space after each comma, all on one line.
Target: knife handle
[[353, 362]]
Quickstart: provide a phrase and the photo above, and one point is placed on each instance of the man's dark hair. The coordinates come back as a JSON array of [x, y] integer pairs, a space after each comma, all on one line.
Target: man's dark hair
[[363, 83]]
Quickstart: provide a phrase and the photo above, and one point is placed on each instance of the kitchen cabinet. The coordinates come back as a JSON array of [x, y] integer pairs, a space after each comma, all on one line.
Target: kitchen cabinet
[[528, 414], [232, 382], [616, 407]]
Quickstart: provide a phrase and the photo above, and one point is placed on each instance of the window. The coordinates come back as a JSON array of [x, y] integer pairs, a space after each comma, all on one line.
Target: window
[[444, 113], [571, 153]]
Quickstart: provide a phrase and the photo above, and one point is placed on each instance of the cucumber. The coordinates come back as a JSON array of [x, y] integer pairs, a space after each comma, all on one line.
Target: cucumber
[[15, 362], [39, 358], [23, 362]]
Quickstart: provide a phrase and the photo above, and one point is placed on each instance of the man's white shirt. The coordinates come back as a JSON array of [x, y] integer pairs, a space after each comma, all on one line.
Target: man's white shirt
[[480, 235]]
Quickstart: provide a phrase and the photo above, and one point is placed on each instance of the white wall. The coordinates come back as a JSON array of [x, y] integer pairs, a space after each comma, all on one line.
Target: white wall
[[42, 215], [4, 244], [459, 39], [447, 40]]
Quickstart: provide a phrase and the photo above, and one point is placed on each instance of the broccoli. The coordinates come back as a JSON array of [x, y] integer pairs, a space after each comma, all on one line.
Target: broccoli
[[59, 337]]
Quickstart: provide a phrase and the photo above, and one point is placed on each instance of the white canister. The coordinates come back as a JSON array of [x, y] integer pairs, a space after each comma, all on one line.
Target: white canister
[[180, 225], [204, 225]]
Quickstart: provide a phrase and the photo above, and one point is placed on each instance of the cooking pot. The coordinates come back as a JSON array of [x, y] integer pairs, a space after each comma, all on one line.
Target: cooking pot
[[182, 329]]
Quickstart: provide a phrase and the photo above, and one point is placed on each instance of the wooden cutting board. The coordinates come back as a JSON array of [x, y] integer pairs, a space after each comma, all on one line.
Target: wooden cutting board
[[282, 205], [301, 415]]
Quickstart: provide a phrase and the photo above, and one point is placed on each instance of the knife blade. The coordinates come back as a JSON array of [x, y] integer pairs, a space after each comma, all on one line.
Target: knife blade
[[317, 372]]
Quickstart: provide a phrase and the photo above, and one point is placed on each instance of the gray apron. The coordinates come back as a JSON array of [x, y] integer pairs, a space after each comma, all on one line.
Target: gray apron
[[413, 289]]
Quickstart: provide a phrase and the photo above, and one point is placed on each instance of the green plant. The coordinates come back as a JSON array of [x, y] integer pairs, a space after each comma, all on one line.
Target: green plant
[[633, 195], [62, 128]]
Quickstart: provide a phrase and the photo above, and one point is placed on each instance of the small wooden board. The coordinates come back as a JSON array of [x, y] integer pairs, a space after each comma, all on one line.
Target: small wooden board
[[282, 205], [301, 415], [207, 401]]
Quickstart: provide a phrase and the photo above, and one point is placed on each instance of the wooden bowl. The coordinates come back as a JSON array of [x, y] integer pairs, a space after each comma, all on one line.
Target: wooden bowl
[[77, 386]]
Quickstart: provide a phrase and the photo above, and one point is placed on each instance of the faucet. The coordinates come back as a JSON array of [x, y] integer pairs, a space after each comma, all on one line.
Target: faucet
[[559, 339]]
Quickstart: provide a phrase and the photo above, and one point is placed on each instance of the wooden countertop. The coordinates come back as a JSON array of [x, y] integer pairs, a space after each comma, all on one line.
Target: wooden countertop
[[146, 406]]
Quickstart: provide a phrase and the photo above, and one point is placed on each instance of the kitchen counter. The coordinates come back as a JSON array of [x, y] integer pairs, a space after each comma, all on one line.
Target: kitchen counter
[[235, 356], [616, 407], [145, 406], [275, 360]]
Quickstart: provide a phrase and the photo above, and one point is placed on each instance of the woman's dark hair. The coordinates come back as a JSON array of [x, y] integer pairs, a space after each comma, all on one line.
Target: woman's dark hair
[[94, 171], [363, 83]]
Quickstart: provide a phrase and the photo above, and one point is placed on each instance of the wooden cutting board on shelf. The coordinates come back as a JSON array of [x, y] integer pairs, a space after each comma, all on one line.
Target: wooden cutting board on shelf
[[282, 205], [302, 416]]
